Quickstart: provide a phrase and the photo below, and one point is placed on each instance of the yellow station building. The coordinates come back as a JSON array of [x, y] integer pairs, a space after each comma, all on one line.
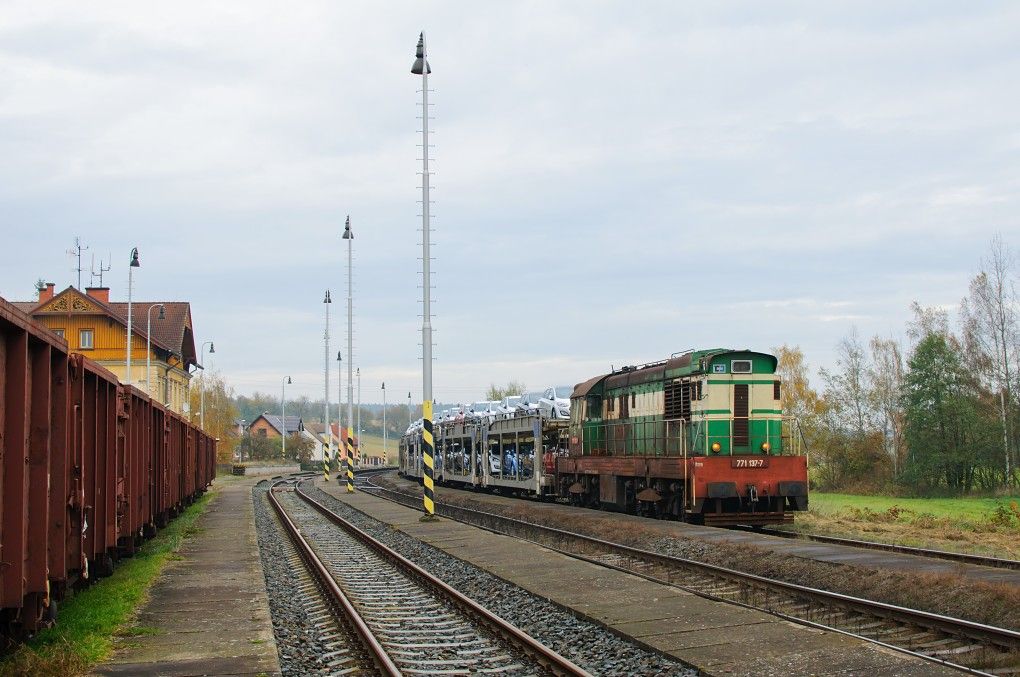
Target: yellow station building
[[97, 327]]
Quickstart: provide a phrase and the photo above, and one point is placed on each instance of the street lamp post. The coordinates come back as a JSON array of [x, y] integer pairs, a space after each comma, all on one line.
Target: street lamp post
[[201, 392], [410, 420], [131, 266], [421, 67], [358, 428], [148, 343], [349, 236], [384, 434], [340, 410], [328, 449], [283, 412], [245, 439]]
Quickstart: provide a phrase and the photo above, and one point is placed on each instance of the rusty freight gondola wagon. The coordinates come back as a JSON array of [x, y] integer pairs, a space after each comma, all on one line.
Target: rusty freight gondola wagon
[[90, 467]]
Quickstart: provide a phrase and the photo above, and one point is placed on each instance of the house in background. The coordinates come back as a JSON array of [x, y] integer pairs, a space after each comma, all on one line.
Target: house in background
[[95, 326], [271, 425], [317, 432]]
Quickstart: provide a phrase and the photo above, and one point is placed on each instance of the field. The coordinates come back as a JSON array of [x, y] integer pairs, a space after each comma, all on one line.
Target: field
[[373, 445], [986, 526]]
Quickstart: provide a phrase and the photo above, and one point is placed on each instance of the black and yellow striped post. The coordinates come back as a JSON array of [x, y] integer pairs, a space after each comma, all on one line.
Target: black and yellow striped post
[[325, 460], [350, 462], [428, 448]]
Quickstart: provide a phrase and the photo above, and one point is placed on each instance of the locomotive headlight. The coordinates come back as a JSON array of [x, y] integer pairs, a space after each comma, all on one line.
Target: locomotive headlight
[[766, 447], [716, 447]]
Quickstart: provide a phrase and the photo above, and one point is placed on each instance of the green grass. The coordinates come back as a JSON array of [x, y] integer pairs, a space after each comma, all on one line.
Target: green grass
[[961, 509], [88, 621], [983, 526], [373, 444]]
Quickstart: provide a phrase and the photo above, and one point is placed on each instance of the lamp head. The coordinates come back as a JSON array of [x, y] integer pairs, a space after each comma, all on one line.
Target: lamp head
[[348, 233], [212, 347], [288, 380], [327, 299], [339, 356], [134, 258], [384, 385], [421, 66], [162, 313]]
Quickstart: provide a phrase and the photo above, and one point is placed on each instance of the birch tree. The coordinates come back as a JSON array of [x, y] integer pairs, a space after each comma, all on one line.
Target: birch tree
[[885, 383], [847, 389], [853, 440], [989, 318]]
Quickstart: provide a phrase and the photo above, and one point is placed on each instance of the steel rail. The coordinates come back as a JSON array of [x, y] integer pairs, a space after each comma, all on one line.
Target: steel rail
[[963, 557], [1001, 638], [543, 654], [335, 595]]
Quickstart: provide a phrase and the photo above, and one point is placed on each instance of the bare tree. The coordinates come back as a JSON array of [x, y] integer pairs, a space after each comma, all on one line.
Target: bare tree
[[885, 383], [496, 392], [927, 321], [990, 328], [853, 441], [847, 389]]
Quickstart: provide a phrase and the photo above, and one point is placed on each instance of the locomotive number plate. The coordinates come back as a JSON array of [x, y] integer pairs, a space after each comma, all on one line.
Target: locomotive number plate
[[749, 462]]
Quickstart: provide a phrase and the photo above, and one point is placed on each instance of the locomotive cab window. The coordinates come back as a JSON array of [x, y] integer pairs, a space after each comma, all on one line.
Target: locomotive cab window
[[740, 366]]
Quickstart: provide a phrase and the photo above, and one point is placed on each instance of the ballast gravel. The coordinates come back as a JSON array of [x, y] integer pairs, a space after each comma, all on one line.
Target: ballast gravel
[[300, 639], [587, 644]]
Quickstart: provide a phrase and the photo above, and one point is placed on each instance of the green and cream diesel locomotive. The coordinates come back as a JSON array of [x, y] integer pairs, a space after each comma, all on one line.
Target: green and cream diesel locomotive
[[698, 437]]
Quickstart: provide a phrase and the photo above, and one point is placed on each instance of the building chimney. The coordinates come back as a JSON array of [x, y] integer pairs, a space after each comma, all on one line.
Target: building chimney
[[46, 293], [101, 294]]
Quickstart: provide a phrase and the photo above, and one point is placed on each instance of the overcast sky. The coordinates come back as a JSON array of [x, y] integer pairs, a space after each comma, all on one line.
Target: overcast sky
[[614, 181]]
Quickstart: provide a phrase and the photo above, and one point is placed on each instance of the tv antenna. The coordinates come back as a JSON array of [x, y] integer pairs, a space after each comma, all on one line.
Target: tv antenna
[[102, 269], [76, 251]]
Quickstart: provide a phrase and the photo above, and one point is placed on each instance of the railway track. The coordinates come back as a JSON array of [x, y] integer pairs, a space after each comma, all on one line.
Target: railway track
[[962, 557], [956, 643], [408, 621]]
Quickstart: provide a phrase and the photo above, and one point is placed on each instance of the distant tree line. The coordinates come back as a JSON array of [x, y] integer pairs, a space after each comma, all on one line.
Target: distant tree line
[[250, 407], [939, 415]]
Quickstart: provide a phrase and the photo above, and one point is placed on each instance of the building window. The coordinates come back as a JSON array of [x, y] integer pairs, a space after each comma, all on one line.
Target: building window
[[86, 340], [59, 332]]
